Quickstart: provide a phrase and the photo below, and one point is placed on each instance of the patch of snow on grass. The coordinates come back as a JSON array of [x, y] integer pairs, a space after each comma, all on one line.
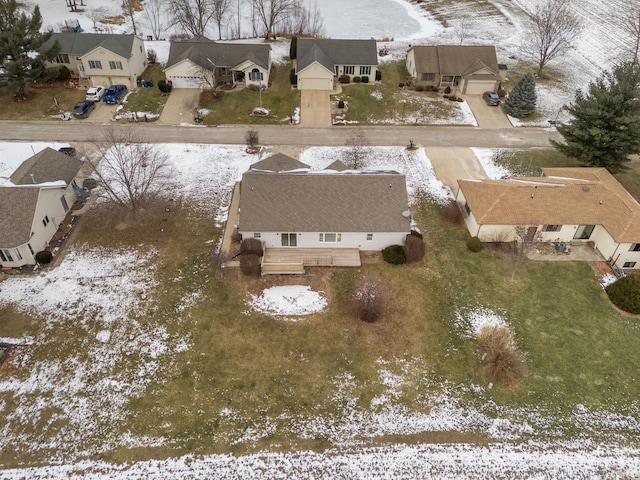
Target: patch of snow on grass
[[485, 157], [289, 300], [469, 324], [607, 279]]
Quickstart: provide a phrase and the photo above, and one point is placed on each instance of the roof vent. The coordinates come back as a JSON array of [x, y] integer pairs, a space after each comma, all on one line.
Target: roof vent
[[406, 214], [585, 188]]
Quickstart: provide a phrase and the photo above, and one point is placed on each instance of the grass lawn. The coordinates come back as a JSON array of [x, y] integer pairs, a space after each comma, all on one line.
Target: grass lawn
[[236, 106], [40, 103], [148, 99]]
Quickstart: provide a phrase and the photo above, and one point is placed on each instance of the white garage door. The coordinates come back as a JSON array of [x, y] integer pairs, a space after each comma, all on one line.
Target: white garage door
[[185, 82], [315, 84], [109, 80], [478, 87]]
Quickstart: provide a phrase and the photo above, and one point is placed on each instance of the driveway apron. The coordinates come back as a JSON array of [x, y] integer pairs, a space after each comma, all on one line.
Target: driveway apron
[[315, 108], [486, 116], [453, 163], [179, 107]]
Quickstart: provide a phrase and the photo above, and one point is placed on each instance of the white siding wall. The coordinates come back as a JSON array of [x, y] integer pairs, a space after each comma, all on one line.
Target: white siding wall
[[315, 77], [186, 74], [358, 240]]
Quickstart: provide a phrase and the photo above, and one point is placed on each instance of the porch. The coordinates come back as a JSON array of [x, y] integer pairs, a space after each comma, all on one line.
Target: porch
[[293, 260]]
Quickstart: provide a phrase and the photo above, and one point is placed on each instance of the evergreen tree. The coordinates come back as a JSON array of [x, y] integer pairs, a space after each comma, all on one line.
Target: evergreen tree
[[522, 100], [605, 128], [20, 42], [293, 48]]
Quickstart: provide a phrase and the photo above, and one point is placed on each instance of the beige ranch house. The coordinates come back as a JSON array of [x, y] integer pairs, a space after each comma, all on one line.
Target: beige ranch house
[[321, 62], [34, 202], [571, 205], [100, 59], [203, 63], [320, 217], [472, 69]]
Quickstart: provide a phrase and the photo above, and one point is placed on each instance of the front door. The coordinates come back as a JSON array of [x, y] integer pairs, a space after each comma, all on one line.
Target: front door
[[289, 239], [584, 232], [531, 233]]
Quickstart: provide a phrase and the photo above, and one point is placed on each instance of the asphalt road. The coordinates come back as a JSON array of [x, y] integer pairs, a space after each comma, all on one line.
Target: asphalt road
[[286, 135]]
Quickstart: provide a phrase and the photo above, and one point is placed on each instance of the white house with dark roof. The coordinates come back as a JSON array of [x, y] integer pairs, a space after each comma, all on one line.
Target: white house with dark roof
[[33, 203], [201, 63], [320, 62], [579, 205], [99, 58]]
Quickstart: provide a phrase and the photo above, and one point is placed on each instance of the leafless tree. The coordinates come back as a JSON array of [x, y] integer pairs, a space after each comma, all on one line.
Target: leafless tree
[[271, 12], [155, 12], [303, 21], [128, 169], [369, 299], [524, 243], [357, 150], [630, 24], [221, 11], [462, 27], [253, 139], [129, 10], [193, 16], [554, 28], [72, 5], [97, 15]]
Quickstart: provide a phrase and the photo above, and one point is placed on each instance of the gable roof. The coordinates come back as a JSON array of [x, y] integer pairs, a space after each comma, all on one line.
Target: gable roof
[[460, 60], [48, 165], [338, 166], [320, 201], [80, 43], [200, 50], [332, 52], [17, 207], [278, 163], [564, 196]]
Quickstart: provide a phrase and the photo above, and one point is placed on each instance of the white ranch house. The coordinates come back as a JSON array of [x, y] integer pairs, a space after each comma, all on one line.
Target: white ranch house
[[100, 59], [203, 63], [321, 62], [571, 205], [34, 202]]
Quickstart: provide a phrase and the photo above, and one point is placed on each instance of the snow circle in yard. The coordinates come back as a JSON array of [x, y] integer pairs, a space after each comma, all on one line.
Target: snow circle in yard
[[294, 300], [103, 336]]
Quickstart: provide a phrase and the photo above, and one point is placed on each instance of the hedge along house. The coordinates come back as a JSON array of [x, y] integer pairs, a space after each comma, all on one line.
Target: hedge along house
[[571, 205], [321, 62], [320, 217], [473, 70], [33, 203], [100, 59], [203, 63]]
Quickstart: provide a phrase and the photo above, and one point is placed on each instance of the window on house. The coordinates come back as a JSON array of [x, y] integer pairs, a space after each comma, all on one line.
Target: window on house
[[629, 264], [349, 70], [256, 235], [447, 79], [369, 237], [115, 65], [635, 247], [2, 257], [255, 74], [365, 70], [62, 58], [8, 256], [30, 249], [330, 237], [95, 64], [467, 209], [552, 228], [17, 252], [45, 220], [428, 77], [225, 71], [289, 239], [584, 232], [65, 205]]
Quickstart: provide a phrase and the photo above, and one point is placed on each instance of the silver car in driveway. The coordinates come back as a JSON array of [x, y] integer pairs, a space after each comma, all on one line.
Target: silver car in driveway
[[492, 99], [94, 94]]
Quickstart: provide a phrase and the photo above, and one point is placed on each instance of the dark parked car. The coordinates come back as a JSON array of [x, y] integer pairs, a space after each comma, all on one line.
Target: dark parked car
[[68, 151], [492, 99], [114, 93], [83, 109]]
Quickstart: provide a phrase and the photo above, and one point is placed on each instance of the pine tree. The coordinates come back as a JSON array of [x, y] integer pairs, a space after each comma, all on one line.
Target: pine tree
[[522, 100], [605, 128], [20, 43]]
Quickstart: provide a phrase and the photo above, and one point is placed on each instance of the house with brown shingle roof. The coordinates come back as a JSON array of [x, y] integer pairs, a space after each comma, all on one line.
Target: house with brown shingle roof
[[33, 203], [566, 204], [472, 69], [203, 63], [324, 209]]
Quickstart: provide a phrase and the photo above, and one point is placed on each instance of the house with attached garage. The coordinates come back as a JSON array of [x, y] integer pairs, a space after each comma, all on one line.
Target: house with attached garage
[[472, 69], [569, 205], [321, 62], [309, 217], [203, 63], [100, 58], [33, 202]]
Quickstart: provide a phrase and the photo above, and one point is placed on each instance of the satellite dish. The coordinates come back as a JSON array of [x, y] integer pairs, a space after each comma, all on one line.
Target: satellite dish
[[406, 214]]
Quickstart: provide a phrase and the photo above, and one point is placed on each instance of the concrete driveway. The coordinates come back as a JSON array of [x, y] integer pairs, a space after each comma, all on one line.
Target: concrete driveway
[[453, 163], [315, 108], [179, 106], [486, 116]]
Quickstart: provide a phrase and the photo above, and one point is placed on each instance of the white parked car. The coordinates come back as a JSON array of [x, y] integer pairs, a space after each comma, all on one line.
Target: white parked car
[[95, 94]]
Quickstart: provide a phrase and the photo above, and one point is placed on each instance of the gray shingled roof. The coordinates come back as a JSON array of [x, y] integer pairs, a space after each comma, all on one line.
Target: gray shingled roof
[[279, 163], [200, 49], [338, 166], [47, 165], [332, 52], [80, 43], [17, 207], [455, 59], [323, 202]]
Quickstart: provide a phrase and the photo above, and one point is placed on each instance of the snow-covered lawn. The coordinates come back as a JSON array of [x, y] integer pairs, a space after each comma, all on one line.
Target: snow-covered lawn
[[288, 302]]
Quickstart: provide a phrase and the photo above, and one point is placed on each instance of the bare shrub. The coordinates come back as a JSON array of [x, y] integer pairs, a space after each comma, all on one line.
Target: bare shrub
[[252, 138], [250, 265], [369, 300], [502, 363], [451, 213], [251, 246], [413, 248]]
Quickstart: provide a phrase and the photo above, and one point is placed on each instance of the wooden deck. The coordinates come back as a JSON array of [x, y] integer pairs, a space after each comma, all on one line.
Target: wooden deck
[[293, 260]]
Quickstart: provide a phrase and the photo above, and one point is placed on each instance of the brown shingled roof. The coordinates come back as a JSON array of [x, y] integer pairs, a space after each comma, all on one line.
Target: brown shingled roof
[[322, 202], [48, 165], [565, 196], [460, 60], [279, 163], [17, 208]]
